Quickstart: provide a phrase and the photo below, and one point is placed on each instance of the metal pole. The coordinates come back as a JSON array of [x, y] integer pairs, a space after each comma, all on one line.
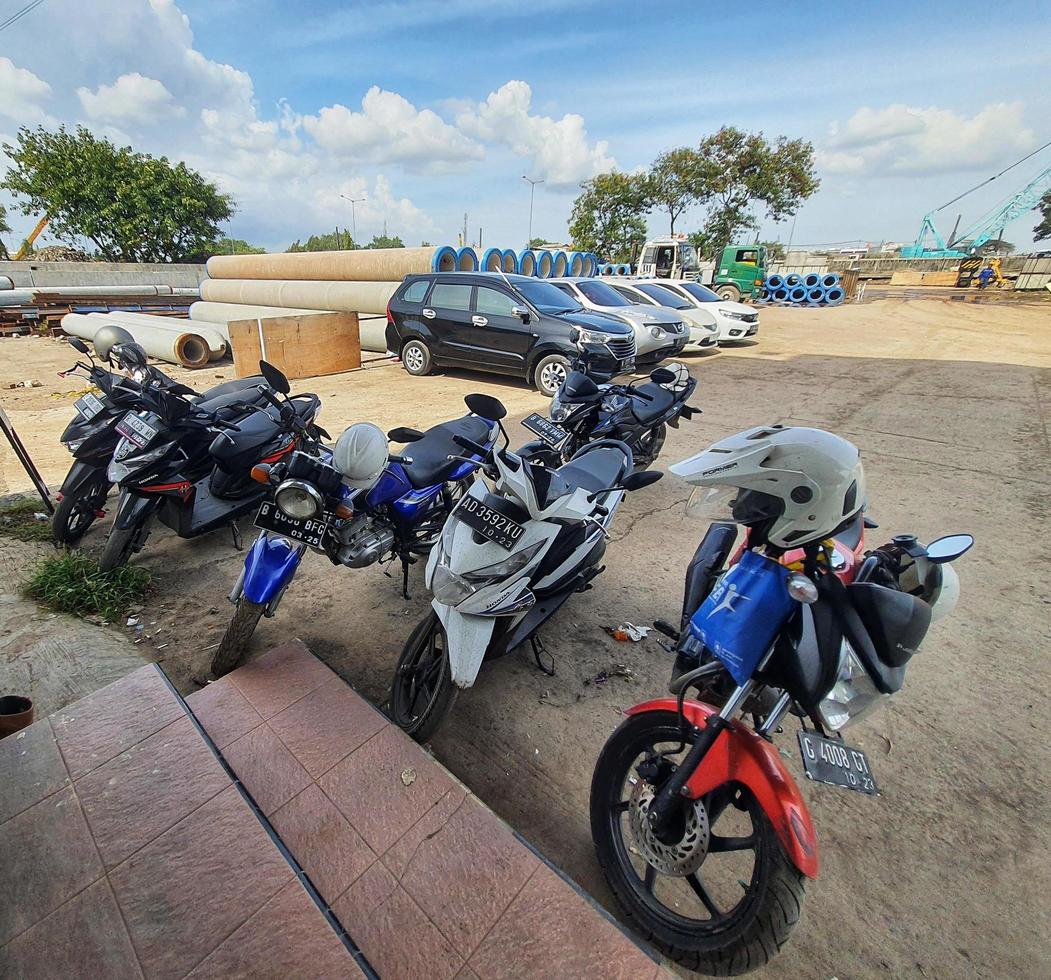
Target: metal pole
[[353, 215], [532, 187]]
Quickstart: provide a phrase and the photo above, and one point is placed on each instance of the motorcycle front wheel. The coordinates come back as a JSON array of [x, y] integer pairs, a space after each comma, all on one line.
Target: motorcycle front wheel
[[423, 691], [234, 643], [122, 544], [723, 897], [78, 510]]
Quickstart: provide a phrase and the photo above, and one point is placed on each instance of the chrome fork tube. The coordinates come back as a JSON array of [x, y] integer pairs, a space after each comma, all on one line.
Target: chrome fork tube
[[769, 725]]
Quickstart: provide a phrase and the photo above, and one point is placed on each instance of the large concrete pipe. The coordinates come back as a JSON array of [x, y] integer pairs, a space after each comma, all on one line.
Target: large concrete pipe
[[559, 264], [444, 259], [577, 264], [527, 262], [510, 261], [593, 264], [466, 259], [105, 290], [492, 260], [6, 282], [222, 313], [186, 349], [363, 264], [360, 297], [544, 263], [17, 297], [216, 335]]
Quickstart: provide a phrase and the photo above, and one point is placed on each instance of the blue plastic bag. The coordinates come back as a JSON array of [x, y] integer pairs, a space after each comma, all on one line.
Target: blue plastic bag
[[743, 613]]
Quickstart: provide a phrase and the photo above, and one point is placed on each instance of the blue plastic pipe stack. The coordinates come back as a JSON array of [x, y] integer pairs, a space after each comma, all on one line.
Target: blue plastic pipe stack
[[798, 289]]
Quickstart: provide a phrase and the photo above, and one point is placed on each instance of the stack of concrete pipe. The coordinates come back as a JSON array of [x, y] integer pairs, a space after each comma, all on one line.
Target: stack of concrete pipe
[[803, 289], [191, 344], [9, 296]]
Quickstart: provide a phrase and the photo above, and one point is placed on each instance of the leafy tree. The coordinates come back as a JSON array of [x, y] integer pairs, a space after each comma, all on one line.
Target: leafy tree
[[1043, 230], [330, 242], [676, 181], [385, 241], [536, 242], [234, 246], [5, 229], [775, 251], [133, 207], [742, 173], [607, 217]]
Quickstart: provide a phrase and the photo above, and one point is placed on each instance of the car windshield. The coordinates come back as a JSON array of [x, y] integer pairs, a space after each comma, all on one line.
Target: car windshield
[[547, 298], [700, 293], [688, 257], [664, 297], [602, 295]]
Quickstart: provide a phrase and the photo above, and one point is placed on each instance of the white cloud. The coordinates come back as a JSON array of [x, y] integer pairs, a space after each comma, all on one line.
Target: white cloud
[[559, 150], [132, 98], [390, 129], [22, 94], [900, 139]]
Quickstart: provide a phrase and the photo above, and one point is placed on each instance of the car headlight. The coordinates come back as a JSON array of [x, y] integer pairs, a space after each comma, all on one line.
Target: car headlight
[[656, 333], [299, 500], [594, 336], [558, 411], [853, 695], [734, 316]]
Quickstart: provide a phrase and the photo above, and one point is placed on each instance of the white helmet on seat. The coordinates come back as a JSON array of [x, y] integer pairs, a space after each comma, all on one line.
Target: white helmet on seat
[[800, 484], [360, 454]]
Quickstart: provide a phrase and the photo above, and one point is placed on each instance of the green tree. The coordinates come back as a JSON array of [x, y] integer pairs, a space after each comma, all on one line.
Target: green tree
[[131, 206], [744, 173], [536, 242], [608, 216], [330, 242], [5, 229], [385, 241], [676, 181], [1043, 230], [775, 251]]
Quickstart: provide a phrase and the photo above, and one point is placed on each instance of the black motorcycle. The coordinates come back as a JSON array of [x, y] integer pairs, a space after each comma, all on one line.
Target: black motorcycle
[[91, 435], [192, 469], [587, 407]]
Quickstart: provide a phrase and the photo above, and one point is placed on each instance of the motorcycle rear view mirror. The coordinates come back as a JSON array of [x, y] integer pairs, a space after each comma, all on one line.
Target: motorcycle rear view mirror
[[486, 407], [78, 345], [640, 479], [662, 376], [274, 377], [404, 434], [949, 548]]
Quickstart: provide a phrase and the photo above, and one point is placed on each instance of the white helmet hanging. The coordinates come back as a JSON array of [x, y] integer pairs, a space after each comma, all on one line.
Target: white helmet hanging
[[360, 454]]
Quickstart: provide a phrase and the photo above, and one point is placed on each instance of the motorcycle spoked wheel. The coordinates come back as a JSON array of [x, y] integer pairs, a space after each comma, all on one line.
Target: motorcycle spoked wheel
[[423, 691], [735, 910], [234, 644], [650, 446], [78, 510]]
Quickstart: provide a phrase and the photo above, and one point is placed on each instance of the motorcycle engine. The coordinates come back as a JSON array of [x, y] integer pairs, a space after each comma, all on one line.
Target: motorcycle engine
[[364, 541]]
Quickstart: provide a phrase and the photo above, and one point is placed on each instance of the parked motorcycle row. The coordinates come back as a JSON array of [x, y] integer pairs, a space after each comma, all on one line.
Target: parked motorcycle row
[[701, 831]]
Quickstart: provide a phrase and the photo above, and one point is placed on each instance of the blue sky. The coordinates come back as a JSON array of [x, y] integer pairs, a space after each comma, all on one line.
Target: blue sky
[[430, 109]]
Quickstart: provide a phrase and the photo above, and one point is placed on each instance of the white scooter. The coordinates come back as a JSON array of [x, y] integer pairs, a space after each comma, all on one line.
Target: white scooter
[[506, 561]]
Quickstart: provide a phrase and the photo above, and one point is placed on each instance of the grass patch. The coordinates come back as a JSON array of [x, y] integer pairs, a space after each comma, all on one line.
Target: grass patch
[[71, 582], [17, 520]]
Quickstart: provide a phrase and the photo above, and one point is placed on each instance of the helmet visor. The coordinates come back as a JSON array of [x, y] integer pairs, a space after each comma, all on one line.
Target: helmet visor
[[733, 504]]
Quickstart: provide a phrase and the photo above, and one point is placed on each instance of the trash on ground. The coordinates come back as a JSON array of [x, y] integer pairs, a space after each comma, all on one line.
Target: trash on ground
[[617, 670], [408, 776], [627, 631]]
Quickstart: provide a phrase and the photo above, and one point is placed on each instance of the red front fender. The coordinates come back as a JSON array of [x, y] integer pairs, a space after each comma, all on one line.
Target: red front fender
[[739, 755]]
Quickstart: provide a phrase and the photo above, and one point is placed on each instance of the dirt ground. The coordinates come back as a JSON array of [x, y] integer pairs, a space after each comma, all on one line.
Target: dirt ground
[[947, 873]]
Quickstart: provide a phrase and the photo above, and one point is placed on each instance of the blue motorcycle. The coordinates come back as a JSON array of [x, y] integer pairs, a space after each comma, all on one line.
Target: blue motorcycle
[[399, 516]]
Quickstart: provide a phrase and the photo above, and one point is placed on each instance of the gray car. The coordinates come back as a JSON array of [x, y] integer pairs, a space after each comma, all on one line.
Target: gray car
[[658, 333]]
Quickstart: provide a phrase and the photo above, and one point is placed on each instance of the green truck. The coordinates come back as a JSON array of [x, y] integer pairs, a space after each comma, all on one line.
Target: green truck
[[738, 275]]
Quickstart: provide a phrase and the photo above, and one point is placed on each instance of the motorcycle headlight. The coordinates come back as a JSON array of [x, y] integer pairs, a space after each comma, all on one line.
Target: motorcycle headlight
[[853, 695], [74, 444], [126, 460], [506, 568], [299, 500], [558, 412], [450, 589]]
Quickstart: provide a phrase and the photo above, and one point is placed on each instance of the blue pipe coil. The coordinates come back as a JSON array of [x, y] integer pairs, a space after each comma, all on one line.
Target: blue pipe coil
[[793, 279], [526, 263], [834, 296], [466, 259], [774, 282], [510, 261], [559, 264], [780, 294], [797, 294], [492, 260], [444, 259], [811, 279], [830, 279], [544, 263]]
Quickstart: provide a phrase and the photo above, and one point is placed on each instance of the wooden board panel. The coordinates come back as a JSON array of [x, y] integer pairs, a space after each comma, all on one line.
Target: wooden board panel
[[906, 277], [940, 278], [303, 345]]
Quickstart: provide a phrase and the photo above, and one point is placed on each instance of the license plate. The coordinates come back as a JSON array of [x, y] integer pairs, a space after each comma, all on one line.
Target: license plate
[[271, 518], [488, 523], [828, 760], [551, 433], [89, 406], [136, 430]]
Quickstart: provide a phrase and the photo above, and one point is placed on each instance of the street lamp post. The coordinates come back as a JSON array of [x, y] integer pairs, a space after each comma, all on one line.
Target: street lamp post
[[532, 187], [353, 216]]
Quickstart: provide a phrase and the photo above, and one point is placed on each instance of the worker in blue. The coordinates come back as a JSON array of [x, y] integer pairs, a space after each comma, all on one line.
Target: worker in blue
[[984, 276]]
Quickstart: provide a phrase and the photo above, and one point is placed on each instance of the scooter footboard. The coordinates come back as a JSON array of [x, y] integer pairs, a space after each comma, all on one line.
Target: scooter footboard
[[466, 640], [741, 756], [270, 565]]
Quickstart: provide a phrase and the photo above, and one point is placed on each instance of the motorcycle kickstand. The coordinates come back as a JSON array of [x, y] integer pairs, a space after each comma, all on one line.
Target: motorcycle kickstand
[[406, 561], [540, 650], [238, 541]]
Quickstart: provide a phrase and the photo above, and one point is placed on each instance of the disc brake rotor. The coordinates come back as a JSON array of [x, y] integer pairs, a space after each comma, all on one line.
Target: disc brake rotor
[[684, 856]]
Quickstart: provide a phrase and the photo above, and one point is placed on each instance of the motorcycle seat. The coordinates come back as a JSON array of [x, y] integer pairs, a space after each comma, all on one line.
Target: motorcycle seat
[[647, 411], [223, 402], [592, 469], [233, 451], [430, 455], [229, 387]]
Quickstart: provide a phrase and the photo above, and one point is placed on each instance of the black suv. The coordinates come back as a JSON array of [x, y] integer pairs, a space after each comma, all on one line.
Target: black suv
[[492, 322]]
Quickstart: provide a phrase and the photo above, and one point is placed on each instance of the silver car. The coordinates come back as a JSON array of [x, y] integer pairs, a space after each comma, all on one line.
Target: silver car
[[658, 333]]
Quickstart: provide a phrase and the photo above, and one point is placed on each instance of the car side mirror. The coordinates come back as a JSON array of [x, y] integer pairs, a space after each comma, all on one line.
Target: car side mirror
[[486, 407], [404, 434], [521, 312], [78, 345], [274, 377], [949, 548], [662, 376], [640, 479]]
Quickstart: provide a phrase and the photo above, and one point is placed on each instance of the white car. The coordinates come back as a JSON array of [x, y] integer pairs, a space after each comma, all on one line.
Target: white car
[[704, 328], [658, 333], [736, 321]]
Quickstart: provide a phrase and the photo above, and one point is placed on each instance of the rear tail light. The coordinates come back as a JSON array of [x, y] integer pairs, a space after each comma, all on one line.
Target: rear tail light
[[390, 319]]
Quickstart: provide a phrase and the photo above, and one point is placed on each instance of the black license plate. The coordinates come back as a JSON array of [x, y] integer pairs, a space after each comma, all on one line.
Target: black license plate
[[89, 406], [136, 430], [271, 518], [828, 760], [551, 433], [488, 523]]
